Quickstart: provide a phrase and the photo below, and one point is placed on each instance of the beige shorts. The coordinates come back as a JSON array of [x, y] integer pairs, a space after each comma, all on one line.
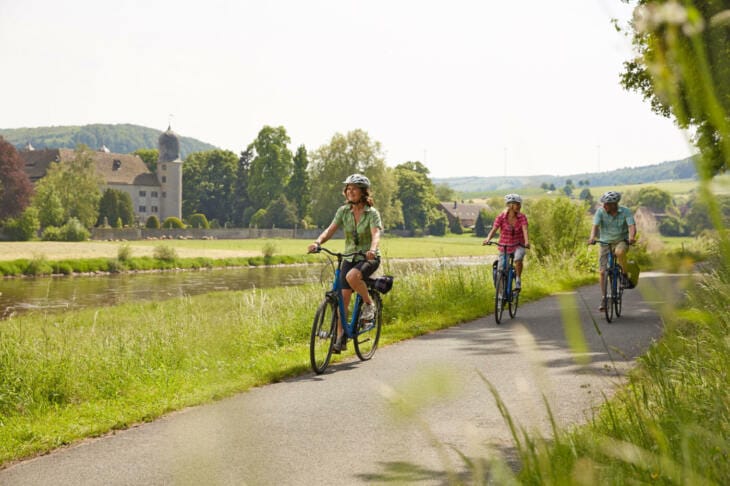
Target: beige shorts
[[603, 256]]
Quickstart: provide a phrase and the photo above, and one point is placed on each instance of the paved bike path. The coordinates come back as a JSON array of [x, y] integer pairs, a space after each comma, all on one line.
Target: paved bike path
[[338, 428]]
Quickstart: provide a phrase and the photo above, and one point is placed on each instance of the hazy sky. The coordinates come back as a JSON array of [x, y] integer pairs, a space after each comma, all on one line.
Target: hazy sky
[[470, 88]]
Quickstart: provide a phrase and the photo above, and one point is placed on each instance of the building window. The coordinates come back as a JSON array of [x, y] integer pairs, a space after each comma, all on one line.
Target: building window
[[164, 194], [164, 179], [142, 193], [116, 164], [153, 193], [153, 209], [164, 166], [142, 209]]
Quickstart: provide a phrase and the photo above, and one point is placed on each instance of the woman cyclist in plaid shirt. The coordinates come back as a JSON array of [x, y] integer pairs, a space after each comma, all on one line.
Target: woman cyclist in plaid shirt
[[512, 227]]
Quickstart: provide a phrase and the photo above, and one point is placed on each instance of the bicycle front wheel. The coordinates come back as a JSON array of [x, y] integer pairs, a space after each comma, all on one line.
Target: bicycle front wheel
[[367, 334], [609, 296], [324, 332], [514, 301], [499, 297], [619, 295]]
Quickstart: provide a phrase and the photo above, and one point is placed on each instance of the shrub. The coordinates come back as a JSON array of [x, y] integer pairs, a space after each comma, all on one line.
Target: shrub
[[173, 222], [199, 220], [24, 227], [557, 226], [152, 222], [74, 230], [124, 253], [165, 253], [51, 233], [38, 266]]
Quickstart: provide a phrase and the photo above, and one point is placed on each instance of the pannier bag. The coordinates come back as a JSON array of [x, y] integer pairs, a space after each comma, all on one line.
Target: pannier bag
[[384, 284], [632, 270]]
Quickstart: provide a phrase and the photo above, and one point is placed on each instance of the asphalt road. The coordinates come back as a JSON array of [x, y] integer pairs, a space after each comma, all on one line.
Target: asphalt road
[[344, 427]]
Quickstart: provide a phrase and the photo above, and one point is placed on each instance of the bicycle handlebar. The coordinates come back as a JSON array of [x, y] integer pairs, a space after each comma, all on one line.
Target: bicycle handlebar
[[608, 242], [338, 255], [513, 245]]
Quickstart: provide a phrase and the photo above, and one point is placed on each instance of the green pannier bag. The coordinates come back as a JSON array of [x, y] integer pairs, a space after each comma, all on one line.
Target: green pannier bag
[[632, 270]]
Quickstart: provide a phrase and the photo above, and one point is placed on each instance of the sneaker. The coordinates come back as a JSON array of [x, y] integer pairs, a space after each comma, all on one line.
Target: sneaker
[[602, 307], [368, 313]]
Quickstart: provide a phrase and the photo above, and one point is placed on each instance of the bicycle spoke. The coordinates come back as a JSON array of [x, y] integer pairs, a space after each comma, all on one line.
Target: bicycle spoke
[[367, 334]]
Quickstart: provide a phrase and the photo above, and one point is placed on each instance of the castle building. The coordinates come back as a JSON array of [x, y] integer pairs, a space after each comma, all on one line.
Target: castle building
[[153, 194]]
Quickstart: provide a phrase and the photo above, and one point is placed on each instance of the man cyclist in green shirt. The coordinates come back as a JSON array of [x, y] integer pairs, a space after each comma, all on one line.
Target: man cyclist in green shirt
[[615, 225], [361, 223]]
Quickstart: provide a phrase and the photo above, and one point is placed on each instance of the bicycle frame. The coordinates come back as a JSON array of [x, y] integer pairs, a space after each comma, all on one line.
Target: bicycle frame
[[336, 293], [507, 274], [614, 284]]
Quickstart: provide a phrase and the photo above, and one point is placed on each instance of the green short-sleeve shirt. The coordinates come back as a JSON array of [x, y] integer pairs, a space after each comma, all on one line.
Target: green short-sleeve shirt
[[358, 237], [614, 228]]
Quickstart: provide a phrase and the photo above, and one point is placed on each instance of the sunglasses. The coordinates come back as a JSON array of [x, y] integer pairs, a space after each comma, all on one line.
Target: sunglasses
[[355, 237]]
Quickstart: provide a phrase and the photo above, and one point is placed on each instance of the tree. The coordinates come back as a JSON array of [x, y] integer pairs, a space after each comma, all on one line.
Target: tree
[[69, 190], [149, 156], [585, 195], [483, 223], [208, 184], [115, 204], [271, 167], [298, 188], [280, 214], [24, 227], [444, 192], [346, 154], [557, 226], [678, 57], [455, 226], [15, 188], [242, 209], [198, 220], [416, 194], [654, 198]]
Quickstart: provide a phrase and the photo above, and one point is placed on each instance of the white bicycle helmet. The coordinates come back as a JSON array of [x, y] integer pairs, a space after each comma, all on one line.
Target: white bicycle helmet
[[610, 197], [512, 198], [359, 180]]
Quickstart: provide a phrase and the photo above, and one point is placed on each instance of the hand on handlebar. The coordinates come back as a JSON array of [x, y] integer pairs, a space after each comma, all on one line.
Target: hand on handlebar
[[314, 248]]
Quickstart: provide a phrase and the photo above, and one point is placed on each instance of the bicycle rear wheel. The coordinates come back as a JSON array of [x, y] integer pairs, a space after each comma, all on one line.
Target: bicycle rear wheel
[[367, 334], [609, 296], [324, 332], [499, 297]]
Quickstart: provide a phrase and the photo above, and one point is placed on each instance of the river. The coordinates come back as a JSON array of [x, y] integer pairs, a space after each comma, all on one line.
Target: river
[[72, 292]]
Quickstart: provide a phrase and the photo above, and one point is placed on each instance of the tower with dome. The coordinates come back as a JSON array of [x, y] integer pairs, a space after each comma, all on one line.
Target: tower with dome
[[169, 174]]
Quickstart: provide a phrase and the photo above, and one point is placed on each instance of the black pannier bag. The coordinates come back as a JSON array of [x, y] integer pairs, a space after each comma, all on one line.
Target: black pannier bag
[[383, 284]]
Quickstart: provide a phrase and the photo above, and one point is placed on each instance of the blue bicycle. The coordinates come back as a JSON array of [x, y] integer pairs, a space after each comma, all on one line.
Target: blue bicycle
[[615, 285], [504, 292], [364, 335]]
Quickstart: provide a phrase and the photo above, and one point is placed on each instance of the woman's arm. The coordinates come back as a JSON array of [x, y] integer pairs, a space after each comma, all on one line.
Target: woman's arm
[[375, 241], [321, 239]]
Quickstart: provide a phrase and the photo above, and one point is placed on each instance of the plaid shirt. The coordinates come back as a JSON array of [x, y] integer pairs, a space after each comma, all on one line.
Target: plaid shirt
[[509, 234]]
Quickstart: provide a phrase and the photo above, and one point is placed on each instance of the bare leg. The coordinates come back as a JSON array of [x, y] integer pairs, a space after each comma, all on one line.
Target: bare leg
[[518, 268], [354, 278]]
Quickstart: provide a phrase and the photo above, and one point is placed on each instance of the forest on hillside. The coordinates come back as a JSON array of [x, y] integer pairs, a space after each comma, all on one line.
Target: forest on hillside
[[121, 139], [665, 171]]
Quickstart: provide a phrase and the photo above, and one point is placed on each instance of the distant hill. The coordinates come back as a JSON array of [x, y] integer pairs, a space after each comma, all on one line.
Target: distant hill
[[672, 170], [121, 139]]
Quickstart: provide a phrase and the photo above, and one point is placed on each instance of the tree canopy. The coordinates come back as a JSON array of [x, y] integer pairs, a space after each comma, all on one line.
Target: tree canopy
[[682, 68], [416, 194], [208, 184], [16, 189], [271, 166]]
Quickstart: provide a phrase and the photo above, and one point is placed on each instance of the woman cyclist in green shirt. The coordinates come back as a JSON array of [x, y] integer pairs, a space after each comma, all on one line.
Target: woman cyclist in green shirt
[[361, 224]]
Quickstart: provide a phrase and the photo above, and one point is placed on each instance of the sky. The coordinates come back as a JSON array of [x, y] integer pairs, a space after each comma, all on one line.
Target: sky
[[468, 87]]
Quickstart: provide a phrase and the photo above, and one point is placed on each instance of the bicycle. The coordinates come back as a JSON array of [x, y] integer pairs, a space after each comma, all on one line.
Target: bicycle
[[615, 284], [504, 292], [364, 335]]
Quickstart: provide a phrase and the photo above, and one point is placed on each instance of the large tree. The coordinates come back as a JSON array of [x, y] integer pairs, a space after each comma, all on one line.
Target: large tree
[[298, 188], [208, 184], [271, 167], [416, 194], [115, 205], [149, 156], [347, 154], [241, 202], [682, 68], [16, 189], [69, 190]]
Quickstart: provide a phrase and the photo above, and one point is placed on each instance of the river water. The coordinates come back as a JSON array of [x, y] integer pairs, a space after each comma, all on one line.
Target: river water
[[59, 293]]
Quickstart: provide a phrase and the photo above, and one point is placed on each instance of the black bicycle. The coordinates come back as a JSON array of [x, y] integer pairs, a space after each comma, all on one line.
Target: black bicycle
[[504, 292], [364, 334], [615, 284]]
